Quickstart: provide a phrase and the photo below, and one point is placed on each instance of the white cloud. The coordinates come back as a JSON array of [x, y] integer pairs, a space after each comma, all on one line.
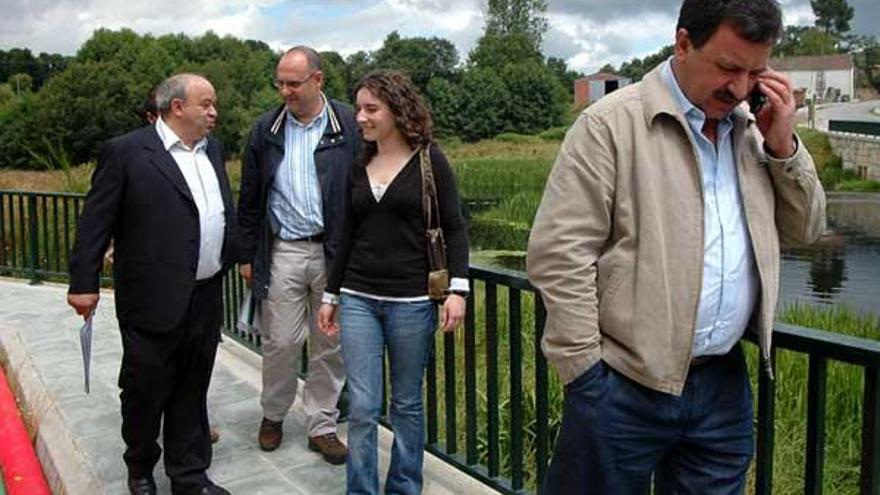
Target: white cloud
[[587, 44], [47, 26], [586, 33]]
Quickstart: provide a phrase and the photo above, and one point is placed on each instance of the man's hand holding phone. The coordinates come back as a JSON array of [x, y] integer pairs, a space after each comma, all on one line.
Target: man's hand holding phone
[[776, 116]]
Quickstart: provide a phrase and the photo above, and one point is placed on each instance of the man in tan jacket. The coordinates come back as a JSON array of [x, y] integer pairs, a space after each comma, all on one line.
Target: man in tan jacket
[[656, 247]]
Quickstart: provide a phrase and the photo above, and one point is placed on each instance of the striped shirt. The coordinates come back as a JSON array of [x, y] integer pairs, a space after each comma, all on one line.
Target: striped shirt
[[295, 195]]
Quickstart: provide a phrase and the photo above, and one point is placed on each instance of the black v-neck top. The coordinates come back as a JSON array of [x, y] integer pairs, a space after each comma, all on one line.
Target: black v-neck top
[[382, 249]]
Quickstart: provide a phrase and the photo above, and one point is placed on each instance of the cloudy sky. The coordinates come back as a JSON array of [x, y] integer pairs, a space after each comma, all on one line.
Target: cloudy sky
[[586, 33]]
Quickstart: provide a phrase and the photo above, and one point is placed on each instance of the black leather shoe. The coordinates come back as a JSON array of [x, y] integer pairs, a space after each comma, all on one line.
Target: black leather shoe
[[210, 489], [214, 490], [142, 486]]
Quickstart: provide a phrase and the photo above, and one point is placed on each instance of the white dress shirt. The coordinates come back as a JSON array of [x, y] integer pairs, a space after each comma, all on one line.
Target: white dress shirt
[[205, 189]]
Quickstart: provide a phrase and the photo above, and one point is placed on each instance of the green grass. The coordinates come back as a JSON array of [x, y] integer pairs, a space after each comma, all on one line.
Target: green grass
[[843, 413], [858, 185], [819, 147], [830, 167]]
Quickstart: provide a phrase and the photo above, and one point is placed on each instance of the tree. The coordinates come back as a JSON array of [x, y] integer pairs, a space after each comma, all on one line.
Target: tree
[[20, 130], [636, 68], [446, 99], [517, 17], [335, 80], [358, 64], [536, 100], [21, 83], [832, 15], [513, 34], [805, 40], [87, 104], [484, 99], [421, 58], [96, 96], [495, 52], [563, 73], [7, 96]]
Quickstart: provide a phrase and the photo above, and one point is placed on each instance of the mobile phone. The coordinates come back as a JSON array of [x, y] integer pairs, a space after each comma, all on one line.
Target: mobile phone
[[757, 99]]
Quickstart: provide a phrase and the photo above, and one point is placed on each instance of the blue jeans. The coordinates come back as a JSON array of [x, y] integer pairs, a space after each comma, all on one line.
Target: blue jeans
[[406, 330], [617, 435]]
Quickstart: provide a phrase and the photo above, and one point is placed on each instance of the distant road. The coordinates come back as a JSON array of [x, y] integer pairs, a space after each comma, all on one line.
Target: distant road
[[847, 111]]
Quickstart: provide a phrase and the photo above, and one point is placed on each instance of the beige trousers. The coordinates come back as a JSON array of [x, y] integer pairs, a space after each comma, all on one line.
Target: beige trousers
[[297, 281]]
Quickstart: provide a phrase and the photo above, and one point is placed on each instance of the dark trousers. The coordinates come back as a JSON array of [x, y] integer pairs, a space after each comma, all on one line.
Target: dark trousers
[[167, 374], [617, 435]]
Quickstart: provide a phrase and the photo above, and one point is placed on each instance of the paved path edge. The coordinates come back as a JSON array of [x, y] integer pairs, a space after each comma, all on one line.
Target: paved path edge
[[64, 465]]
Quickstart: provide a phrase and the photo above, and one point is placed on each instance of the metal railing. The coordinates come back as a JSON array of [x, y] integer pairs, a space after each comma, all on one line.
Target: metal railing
[[492, 406], [855, 127]]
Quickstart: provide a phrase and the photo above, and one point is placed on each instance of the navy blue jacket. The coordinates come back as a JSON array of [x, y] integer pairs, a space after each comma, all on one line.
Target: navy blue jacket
[[334, 155]]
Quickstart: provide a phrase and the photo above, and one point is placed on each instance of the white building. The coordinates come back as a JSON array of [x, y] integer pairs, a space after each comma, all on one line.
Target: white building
[[828, 77]]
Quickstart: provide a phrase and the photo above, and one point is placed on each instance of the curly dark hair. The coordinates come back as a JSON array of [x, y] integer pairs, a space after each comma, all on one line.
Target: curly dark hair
[[410, 112]]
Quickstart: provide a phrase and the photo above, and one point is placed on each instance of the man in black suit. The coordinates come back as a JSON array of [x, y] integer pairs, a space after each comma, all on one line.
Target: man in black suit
[[162, 193]]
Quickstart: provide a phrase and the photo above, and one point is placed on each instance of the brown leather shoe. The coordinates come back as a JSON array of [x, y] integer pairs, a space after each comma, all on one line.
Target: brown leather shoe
[[270, 434], [215, 435], [330, 447]]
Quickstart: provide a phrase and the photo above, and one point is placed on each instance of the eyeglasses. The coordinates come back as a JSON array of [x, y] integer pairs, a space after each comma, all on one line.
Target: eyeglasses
[[281, 84]]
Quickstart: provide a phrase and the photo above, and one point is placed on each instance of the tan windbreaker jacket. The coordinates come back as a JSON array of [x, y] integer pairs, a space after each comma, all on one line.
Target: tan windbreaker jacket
[[616, 249]]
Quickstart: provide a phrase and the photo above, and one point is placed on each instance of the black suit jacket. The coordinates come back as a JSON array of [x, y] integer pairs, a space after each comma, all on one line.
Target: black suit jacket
[[140, 199]]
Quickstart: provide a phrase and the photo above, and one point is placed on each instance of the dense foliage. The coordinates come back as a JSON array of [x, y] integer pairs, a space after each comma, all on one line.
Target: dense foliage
[[505, 85]]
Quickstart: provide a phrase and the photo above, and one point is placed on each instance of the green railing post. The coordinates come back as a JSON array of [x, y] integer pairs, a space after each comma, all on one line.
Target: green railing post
[[470, 377], [871, 434], [542, 454], [33, 238], [766, 428], [514, 325], [815, 464]]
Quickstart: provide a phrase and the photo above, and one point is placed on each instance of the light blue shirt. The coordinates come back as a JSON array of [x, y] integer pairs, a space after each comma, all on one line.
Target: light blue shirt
[[295, 194], [730, 285]]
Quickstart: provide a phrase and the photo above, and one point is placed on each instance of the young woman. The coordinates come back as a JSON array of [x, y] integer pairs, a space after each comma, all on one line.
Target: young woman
[[379, 279]]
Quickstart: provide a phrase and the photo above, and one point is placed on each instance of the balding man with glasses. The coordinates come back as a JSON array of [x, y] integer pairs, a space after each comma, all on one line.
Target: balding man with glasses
[[290, 206]]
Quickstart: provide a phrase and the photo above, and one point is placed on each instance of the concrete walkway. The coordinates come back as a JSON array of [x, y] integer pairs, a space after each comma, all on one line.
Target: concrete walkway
[[77, 435]]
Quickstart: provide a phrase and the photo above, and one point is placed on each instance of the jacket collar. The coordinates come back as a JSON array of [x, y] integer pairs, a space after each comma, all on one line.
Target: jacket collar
[[657, 100], [281, 115]]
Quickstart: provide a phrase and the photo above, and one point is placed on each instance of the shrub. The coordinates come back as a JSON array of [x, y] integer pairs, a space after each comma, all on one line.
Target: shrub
[[553, 134], [513, 137]]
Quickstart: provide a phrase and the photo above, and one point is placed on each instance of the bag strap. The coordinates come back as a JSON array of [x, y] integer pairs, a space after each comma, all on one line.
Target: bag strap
[[429, 188]]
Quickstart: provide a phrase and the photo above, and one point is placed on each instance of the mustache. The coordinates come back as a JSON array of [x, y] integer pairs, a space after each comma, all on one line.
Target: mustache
[[726, 96]]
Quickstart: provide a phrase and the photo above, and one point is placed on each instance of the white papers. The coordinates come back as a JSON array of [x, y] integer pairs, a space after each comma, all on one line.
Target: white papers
[[249, 314], [85, 340]]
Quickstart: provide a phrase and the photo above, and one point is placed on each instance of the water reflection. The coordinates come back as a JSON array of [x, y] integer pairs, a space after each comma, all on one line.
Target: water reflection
[[842, 267]]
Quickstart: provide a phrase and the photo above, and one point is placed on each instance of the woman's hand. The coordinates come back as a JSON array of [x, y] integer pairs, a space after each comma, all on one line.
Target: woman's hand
[[327, 320], [452, 312]]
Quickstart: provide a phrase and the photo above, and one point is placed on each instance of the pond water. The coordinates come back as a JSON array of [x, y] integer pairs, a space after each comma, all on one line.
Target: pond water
[[842, 267]]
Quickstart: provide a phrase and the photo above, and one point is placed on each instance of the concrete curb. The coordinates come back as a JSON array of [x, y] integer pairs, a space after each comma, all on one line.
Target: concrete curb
[[64, 464]]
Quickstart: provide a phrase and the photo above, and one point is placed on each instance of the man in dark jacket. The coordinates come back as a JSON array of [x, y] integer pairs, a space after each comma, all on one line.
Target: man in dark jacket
[[292, 189], [161, 192]]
